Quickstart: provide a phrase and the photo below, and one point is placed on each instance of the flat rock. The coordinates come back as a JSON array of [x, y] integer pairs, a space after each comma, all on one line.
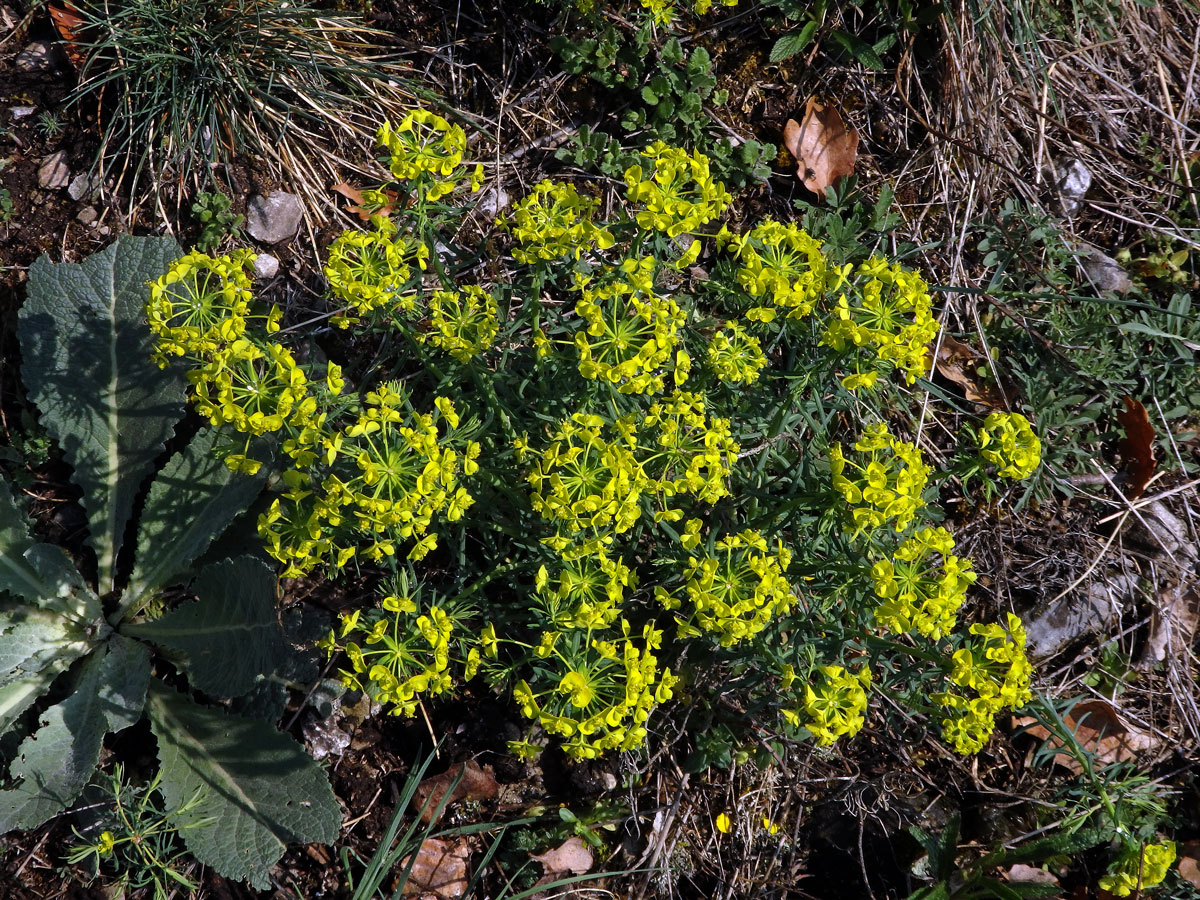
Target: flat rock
[[83, 186], [274, 218], [21, 112], [265, 266], [1074, 179], [87, 215], [39, 56], [1102, 271], [54, 172]]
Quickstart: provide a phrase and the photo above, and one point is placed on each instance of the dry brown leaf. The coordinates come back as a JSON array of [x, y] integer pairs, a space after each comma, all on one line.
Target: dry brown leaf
[[69, 25], [825, 147], [1189, 867], [572, 857], [1173, 624], [1030, 874], [1099, 728], [961, 364], [439, 870], [477, 783], [355, 196], [1137, 447]]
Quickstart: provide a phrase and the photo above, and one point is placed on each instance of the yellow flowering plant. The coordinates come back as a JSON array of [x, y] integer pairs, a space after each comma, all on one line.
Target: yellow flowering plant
[[647, 417]]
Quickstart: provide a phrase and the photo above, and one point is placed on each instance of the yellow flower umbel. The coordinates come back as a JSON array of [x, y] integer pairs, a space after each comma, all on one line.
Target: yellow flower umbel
[[372, 270], [201, 306], [679, 195], [836, 706], [684, 451], [996, 669], [888, 482], [462, 323], [737, 593], [599, 693], [425, 149], [1136, 871], [782, 265], [1007, 441], [631, 333], [735, 356], [917, 595], [554, 221], [890, 310], [586, 588]]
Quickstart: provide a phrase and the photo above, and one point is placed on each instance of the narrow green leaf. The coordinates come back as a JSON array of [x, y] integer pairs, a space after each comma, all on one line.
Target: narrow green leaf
[[228, 637], [257, 789], [54, 764], [86, 362], [192, 500], [863, 52]]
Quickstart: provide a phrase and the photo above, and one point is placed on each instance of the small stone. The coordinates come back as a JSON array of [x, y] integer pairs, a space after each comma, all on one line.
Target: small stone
[[83, 186], [103, 230], [39, 56], [1073, 182], [54, 173], [21, 112], [274, 218], [87, 215], [493, 201], [265, 266], [1102, 271]]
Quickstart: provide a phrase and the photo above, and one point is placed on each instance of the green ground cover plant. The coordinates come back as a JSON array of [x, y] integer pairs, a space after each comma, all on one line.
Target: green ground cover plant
[[90, 648], [635, 438]]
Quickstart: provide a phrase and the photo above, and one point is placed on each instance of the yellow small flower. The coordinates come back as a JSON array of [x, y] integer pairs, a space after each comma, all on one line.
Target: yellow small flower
[[723, 823], [105, 843]]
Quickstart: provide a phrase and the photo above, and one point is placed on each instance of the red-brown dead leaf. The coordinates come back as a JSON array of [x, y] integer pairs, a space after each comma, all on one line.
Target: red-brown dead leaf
[[572, 857], [355, 196], [1137, 447], [825, 147], [477, 783], [69, 25], [439, 871], [961, 364], [1189, 867], [1099, 728]]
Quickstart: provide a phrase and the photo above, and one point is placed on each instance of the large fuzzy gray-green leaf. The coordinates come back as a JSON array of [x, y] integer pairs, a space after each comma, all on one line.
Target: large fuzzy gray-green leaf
[[17, 576], [85, 352], [228, 637], [258, 790], [190, 503], [55, 763]]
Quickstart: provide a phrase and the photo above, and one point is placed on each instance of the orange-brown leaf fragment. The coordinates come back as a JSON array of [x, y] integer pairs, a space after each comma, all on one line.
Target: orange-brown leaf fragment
[[1137, 447], [355, 196], [572, 857], [69, 25], [825, 147], [961, 364], [439, 871], [1099, 728], [477, 783]]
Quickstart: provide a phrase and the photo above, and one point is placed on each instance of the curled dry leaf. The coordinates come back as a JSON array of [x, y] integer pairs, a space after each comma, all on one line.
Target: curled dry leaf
[[355, 196], [477, 783], [1137, 447], [439, 871], [1100, 729], [966, 367], [572, 857], [69, 25], [825, 147]]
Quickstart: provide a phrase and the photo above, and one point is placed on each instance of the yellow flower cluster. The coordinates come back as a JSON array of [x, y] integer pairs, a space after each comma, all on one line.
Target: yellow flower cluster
[[888, 484], [463, 323], [400, 656], [1137, 869], [427, 149], [737, 593], [891, 312], [554, 221], [390, 472], [202, 305], [679, 195], [781, 264], [686, 452], [1008, 442], [996, 669], [631, 333], [836, 706], [372, 270], [664, 11], [734, 355], [587, 588], [916, 594], [604, 695]]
